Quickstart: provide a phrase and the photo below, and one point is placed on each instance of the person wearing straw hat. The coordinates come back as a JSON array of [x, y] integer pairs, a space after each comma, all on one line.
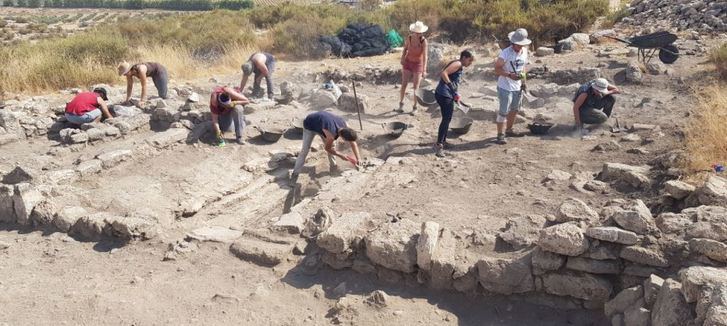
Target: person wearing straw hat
[[262, 64], [226, 106], [156, 71], [593, 102], [413, 61], [510, 69]]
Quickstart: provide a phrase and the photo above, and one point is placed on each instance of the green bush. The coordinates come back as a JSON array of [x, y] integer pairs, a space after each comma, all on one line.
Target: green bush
[[718, 56]]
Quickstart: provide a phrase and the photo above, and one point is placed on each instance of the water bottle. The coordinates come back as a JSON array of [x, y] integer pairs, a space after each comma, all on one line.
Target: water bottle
[[719, 168]]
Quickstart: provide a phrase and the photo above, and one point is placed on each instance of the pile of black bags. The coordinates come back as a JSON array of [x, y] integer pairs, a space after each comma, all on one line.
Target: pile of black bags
[[358, 40]]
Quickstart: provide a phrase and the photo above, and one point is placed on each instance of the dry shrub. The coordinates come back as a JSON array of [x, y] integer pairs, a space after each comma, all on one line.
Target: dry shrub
[[707, 131], [718, 56]]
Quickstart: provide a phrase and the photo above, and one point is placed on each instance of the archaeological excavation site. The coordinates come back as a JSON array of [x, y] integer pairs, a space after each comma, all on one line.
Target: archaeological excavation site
[[151, 217]]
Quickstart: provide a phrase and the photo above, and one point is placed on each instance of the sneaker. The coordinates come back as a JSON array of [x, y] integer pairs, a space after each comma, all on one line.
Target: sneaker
[[513, 133], [240, 141], [221, 142], [440, 152], [501, 139], [401, 107]]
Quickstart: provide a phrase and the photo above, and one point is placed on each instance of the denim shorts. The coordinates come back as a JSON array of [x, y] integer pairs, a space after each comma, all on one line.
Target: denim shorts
[[509, 101], [86, 118]]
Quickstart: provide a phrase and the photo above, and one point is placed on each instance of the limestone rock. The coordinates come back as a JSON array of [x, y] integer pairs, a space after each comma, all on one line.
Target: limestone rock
[[322, 99], [652, 286], [697, 279], [713, 249], [343, 230], [7, 210], [90, 167], [21, 175], [635, 176], [267, 254], [394, 245], [565, 239], [522, 231], [709, 230], [635, 217], [633, 74], [713, 192], [67, 217], [43, 213], [91, 227], [506, 275], [670, 308], [637, 316], [544, 51], [292, 222], [214, 234], [612, 234], [24, 200], [610, 146], [583, 286], [113, 158], [132, 228], [347, 103], [573, 209], [545, 260], [427, 244], [645, 256], [672, 223], [594, 266], [678, 189], [624, 300], [558, 175]]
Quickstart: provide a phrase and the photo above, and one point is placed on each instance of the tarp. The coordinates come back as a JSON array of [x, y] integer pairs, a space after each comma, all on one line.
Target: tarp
[[358, 40], [395, 40]]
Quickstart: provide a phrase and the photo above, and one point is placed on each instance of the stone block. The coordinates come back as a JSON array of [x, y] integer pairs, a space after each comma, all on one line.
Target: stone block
[[594, 266], [343, 231], [67, 217], [645, 256], [113, 158], [506, 275], [393, 245], [24, 200], [670, 308], [565, 239], [612, 234], [623, 300], [427, 244], [581, 286]]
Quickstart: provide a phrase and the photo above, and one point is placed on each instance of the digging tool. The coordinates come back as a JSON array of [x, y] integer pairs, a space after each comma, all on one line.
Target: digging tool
[[464, 107], [617, 127], [358, 109], [524, 90]]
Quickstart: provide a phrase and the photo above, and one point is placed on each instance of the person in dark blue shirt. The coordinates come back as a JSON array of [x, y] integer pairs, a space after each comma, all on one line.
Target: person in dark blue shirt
[[329, 127], [446, 95]]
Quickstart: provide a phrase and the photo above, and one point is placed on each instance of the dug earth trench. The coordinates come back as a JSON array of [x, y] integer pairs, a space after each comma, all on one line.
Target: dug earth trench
[[139, 220]]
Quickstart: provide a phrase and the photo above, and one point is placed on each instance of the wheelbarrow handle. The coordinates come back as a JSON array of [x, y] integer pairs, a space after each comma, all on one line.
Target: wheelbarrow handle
[[619, 39]]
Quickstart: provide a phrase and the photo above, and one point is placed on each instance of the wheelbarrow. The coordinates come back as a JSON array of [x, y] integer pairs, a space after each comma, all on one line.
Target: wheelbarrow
[[650, 43]]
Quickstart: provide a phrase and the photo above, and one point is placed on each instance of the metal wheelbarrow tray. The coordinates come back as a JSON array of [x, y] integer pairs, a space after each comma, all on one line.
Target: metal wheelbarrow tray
[[650, 43]]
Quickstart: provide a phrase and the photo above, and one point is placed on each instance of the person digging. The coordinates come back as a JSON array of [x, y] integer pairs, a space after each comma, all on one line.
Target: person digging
[[593, 103], [262, 64], [510, 69], [88, 107], [156, 71], [226, 106], [446, 95], [329, 127]]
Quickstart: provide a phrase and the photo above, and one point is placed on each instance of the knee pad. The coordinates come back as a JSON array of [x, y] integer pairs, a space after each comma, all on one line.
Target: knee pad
[[501, 118]]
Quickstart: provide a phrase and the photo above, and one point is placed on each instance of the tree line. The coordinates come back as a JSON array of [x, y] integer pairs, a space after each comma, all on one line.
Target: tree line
[[183, 5]]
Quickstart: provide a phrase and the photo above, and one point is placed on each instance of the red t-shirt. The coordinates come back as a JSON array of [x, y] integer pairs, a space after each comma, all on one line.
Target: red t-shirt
[[83, 103], [214, 107]]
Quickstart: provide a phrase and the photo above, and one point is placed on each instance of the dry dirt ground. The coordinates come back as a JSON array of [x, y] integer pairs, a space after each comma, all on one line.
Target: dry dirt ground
[[50, 278]]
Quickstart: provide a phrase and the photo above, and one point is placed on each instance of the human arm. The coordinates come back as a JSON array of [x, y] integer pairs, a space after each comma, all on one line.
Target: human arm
[[406, 49], [141, 74], [129, 87], [501, 71], [104, 108], [216, 124], [356, 156], [613, 90], [329, 142], [243, 82], [577, 107], [236, 97]]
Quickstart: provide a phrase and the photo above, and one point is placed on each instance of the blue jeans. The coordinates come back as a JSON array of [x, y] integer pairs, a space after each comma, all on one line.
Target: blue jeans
[[446, 104], [89, 116], [234, 116], [509, 101], [308, 136]]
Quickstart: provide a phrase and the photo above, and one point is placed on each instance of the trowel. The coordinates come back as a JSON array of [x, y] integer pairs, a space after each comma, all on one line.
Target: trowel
[[616, 128]]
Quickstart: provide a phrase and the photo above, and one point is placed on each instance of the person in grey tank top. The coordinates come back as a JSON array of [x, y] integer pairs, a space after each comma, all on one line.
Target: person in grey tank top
[[155, 70]]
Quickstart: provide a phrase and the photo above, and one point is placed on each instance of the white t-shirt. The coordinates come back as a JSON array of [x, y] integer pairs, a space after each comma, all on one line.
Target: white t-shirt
[[519, 60]]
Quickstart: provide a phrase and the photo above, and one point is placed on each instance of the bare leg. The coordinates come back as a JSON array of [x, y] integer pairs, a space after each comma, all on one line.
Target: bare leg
[[417, 79], [510, 119], [500, 126], [405, 78]]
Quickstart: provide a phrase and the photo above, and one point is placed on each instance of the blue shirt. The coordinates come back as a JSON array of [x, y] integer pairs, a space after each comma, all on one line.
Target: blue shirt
[[443, 89], [319, 121]]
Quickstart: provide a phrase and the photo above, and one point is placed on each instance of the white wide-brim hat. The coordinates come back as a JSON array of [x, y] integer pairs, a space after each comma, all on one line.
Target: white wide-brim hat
[[600, 85], [519, 37], [418, 27]]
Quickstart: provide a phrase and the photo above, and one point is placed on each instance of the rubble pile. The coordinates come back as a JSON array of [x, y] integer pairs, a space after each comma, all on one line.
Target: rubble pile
[[699, 15]]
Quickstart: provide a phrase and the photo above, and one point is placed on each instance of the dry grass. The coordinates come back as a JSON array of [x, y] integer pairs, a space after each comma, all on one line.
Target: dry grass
[[707, 132], [718, 56], [181, 64]]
